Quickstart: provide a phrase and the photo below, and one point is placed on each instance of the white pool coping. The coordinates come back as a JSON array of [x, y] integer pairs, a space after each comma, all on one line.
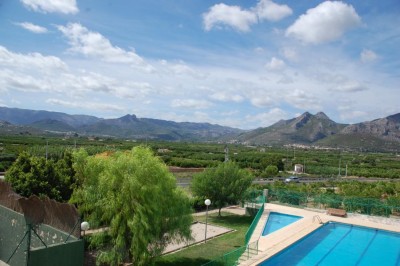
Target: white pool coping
[[273, 243]]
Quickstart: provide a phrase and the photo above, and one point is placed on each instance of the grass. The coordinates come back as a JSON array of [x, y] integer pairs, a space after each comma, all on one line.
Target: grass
[[205, 252]]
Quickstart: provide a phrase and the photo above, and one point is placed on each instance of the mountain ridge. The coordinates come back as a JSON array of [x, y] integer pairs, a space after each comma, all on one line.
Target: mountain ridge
[[305, 129], [128, 126], [382, 134]]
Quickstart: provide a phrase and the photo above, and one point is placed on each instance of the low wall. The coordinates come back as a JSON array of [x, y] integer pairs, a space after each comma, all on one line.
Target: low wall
[[69, 254]]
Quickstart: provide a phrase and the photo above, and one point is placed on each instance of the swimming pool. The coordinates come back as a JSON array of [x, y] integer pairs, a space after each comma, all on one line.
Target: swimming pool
[[277, 221], [342, 244]]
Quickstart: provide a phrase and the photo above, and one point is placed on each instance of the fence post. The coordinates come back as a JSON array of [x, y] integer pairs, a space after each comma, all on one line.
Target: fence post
[[29, 225]]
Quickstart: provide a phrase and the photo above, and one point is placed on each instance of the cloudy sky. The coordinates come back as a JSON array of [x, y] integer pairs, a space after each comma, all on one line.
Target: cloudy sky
[[244, 64]]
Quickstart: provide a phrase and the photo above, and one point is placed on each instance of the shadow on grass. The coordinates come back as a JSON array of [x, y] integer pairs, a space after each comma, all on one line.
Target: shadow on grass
[[231, 219], [182, 262]]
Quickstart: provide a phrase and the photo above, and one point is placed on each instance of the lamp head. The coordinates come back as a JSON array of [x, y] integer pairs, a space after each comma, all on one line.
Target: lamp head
[[85, 226]]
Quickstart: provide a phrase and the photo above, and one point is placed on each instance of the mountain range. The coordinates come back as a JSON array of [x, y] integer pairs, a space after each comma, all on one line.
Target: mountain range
[[128, 126], [307, 129], [319, 130]]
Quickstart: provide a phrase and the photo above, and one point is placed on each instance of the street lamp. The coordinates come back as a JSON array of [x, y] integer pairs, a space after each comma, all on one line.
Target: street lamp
[[207, 202], [84, 227]]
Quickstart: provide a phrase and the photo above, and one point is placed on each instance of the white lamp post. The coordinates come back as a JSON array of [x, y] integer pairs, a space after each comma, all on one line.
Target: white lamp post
[[84, 227], [207, 202]]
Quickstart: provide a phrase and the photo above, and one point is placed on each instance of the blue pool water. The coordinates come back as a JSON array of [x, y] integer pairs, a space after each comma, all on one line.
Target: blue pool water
[[342, 244], [278, 220]]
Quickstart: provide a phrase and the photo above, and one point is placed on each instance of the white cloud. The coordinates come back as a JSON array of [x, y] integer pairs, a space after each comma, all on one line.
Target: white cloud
[[268, 118], [350, 86], [38, 73], [261, 101], [350, 115], [268, 10], [303, 100], [31, 61], [225, 96], [10, 80], [93, 44], [86, 105], [275, 64], [259, 50], [367, 56], [191, 103], [289, 54], [233, 16], [32, 27], [324, 23], [285, 79], [180, 68], [52, 6]]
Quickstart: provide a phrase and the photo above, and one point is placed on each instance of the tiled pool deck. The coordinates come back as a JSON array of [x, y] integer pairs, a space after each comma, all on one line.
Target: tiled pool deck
[[278, 240]]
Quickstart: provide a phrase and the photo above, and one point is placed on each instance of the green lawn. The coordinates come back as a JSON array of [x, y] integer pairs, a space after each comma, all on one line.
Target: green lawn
[[203, 253]]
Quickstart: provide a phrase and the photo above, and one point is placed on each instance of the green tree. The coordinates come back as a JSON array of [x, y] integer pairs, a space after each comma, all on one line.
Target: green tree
[[135, 195], [270, 171], [273, 160], [32, 175], [225, 184]]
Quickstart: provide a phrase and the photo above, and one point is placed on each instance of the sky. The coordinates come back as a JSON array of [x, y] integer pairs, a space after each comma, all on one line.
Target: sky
[[244, 64]]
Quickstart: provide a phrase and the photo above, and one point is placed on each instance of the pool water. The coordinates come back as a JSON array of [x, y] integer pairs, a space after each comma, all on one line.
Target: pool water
[[277, 221], [342, 244]]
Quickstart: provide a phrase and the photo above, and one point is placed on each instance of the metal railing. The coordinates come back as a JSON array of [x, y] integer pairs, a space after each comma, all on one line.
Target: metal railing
[[316, 217]]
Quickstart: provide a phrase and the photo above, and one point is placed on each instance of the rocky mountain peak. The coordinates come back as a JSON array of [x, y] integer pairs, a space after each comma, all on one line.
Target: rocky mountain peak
[[302, 120], [128, 118], [322, 115]]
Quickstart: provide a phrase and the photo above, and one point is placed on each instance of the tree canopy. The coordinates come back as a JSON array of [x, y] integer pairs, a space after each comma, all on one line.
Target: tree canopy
[[33, 175], [135, 195], [225, 184]]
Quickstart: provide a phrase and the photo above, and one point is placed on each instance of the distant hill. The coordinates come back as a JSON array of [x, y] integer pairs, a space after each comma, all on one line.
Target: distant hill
[[379, 134], [128, 126], [52, 125], [387, 128], [319, 130], [6, 128], [25, 117], [307, 129]]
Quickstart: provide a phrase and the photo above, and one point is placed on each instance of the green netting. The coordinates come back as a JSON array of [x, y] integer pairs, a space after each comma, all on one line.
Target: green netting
[[45, 244], [228, 259], [255, 220], [256, 200], [13, 237], [234, 257], [369, 206]]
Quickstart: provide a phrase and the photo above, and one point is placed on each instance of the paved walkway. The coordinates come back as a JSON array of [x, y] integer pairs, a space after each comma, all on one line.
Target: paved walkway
[[198, 230], [198, 235]]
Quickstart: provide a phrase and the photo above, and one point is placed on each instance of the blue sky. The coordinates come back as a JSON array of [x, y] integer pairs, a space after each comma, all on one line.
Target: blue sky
[[244, 64]]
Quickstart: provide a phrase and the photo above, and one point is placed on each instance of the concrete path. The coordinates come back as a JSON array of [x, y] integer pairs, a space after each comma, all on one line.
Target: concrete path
[[198, 234], [198, 229]]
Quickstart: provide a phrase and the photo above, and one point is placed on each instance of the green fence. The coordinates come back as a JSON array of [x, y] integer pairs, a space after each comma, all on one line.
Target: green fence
[[40, 245], [232, 258], [60, 254], [13, 238], [261, 200], [369, 206], [228, 259]]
